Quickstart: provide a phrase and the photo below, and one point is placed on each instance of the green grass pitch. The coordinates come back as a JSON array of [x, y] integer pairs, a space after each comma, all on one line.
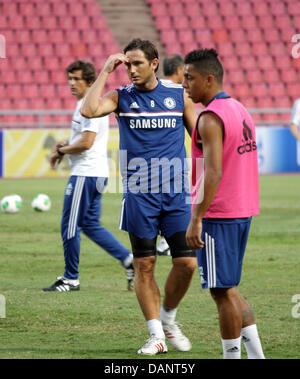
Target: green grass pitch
[[103, 320]]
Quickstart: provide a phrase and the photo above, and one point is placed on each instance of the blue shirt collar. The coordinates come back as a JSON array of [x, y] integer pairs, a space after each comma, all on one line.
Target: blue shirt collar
[[220, 95]]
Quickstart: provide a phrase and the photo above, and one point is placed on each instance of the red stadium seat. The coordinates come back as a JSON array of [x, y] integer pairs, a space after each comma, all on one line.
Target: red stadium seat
[[237, 35], [56, 36], [270, 75], [62, 49], [277, 89], [160, 9], [40, 36], [209, 9], [47, 90], [225, 49], [16, 22], [175, 9], [260, 48], [192, 9], [46, 49], [185, 36], [260, 8], [243, 9], [226, 8], [162, 23], [168, 36], [277, 49], [254, 76], [14, 91], [27, 9], [22, 36], [220, 35], [248, 63], [49, 22], [203, 36], [231, 62], [32, 22], [41, 76], [237, 76], [283, 62], [248, 22], [197, 22], [254, 35], [30, 91], [293, 90], [294, 9], [289, 76], [43, 9], [180, 22], [277, 8], [243, 49], [232, 22], [24, 76], [265, 21], [271, 35], [283, 21], [265, 62], [265, 102], [28, 49], [241, 90], [259, 90]]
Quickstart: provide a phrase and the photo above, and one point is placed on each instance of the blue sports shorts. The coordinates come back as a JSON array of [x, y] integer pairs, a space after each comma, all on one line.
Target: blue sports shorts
[[146, 215], [220, 260]]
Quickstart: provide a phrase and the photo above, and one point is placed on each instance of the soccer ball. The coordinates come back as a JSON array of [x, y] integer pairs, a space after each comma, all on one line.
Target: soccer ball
[[11, 203], [41, 203]]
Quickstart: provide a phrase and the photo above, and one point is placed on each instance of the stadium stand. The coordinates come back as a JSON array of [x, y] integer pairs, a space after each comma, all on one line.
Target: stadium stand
[[253, 39], [42, 37]]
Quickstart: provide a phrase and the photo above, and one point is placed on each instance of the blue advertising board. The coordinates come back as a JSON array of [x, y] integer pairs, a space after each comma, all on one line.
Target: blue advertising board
[[278, 150]]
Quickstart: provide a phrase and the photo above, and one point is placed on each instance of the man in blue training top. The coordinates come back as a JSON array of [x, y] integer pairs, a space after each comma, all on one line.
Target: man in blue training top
[[152, 114]]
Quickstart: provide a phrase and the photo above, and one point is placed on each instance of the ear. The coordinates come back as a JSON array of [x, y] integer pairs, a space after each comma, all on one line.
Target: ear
[[210, 79], [155, 64]]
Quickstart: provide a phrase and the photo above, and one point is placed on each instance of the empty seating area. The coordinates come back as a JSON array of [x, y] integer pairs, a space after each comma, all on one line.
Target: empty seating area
[[253, 39], [42, 37]]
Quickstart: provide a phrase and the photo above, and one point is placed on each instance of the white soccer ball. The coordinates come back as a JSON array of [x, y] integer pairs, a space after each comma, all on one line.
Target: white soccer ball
[[11, 203], [41, 203]]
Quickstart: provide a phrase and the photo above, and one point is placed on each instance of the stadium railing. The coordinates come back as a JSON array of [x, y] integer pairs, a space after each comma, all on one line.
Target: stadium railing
[[41, 115]]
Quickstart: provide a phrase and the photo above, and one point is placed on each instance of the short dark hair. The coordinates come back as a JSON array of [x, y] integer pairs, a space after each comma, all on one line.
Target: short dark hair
[[171, 63], [146, 46], [206, 62], [87, 68]]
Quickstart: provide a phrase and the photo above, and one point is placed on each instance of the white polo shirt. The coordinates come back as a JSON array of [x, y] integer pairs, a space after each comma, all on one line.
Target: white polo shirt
[[92, 162], [296, 120]]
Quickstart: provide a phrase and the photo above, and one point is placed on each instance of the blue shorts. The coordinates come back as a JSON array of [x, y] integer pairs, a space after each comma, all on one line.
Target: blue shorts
[[220, 261], [146, 214]]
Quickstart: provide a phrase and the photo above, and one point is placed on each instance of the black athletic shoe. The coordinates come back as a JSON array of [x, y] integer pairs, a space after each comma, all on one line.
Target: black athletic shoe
[[63, 285]]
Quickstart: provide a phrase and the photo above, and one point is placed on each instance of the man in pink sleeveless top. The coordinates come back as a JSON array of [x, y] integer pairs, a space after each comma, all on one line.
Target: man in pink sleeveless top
[[225, 195]]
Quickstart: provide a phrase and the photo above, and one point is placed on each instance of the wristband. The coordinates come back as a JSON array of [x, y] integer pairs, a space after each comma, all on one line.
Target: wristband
[[59, 152]]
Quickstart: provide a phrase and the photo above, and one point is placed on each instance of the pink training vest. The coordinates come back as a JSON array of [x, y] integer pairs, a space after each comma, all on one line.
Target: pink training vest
[[238, 192]]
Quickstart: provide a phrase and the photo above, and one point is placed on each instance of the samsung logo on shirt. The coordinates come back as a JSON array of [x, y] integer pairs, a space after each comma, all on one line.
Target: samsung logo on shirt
[[152, 123]]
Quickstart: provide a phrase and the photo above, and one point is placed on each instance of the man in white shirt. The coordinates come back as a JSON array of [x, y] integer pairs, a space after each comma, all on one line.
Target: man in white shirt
[[295, 126], [87, 150]]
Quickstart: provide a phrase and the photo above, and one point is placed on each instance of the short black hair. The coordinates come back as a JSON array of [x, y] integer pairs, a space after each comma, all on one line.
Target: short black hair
[[206, 62], [146, 46], [88, 70], [171, 63]]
